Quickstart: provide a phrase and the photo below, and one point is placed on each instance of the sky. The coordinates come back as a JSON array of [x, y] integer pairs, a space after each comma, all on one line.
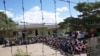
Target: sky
[[32, 13]]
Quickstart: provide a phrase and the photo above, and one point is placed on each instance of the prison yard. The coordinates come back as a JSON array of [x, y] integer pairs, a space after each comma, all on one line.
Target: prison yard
[[57, 46], [41, 47], [44, 31], [33, 50]]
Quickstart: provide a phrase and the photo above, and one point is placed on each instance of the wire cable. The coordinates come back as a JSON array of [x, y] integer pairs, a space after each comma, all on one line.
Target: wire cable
[[69, 8], [70, 11], [4, 3], [42, 26], [24, 33], [55, 23], [69, 5], [68, 1]]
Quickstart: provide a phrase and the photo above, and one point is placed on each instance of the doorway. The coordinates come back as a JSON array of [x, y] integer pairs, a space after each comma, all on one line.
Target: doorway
[[36, 32]]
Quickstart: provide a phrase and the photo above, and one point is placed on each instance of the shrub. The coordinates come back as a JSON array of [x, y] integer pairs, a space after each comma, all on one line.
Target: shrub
[[21, 53]]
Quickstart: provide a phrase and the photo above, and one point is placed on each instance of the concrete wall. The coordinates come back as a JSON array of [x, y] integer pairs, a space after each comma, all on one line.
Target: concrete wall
[[94, 46]]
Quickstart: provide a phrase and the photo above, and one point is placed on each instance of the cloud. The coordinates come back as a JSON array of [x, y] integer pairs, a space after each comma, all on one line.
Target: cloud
[[76, 14], [34, 16], [9, 13], [62, 9]]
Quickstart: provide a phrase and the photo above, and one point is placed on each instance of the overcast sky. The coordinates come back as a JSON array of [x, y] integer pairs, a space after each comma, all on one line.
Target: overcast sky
[[32, 12]]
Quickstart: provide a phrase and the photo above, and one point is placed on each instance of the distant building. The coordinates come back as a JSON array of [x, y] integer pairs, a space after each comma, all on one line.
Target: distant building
[[33, 30]]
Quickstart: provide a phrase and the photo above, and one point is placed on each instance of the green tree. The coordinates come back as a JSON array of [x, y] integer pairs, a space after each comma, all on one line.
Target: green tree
[[89, 18], [7, 25], [90, 13], [71, 22]]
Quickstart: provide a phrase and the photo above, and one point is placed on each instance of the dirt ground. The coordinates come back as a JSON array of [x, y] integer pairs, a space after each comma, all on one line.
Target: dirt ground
[[33, 49]]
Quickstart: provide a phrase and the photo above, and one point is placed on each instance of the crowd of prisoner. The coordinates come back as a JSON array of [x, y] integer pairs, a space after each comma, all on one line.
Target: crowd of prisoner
[[70, 44]]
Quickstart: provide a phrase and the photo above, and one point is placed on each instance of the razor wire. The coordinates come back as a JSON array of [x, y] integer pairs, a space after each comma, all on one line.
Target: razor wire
[[5, 10], [55, 23], [68, 1], [42, 17], [24, 32]]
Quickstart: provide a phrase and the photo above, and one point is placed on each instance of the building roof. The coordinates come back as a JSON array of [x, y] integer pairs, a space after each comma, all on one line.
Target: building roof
[[36, 26]]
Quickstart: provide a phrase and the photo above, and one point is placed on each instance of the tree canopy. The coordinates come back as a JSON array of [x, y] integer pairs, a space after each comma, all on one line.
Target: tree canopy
[[6, 23], [89, 18]]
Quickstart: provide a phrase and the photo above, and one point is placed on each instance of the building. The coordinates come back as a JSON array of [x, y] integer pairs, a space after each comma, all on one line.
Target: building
[[33, 30]]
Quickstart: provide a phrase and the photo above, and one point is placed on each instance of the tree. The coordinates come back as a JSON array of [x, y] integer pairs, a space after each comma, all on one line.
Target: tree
[[90, 13], [71, 22], [89, 18], [6, 24]]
